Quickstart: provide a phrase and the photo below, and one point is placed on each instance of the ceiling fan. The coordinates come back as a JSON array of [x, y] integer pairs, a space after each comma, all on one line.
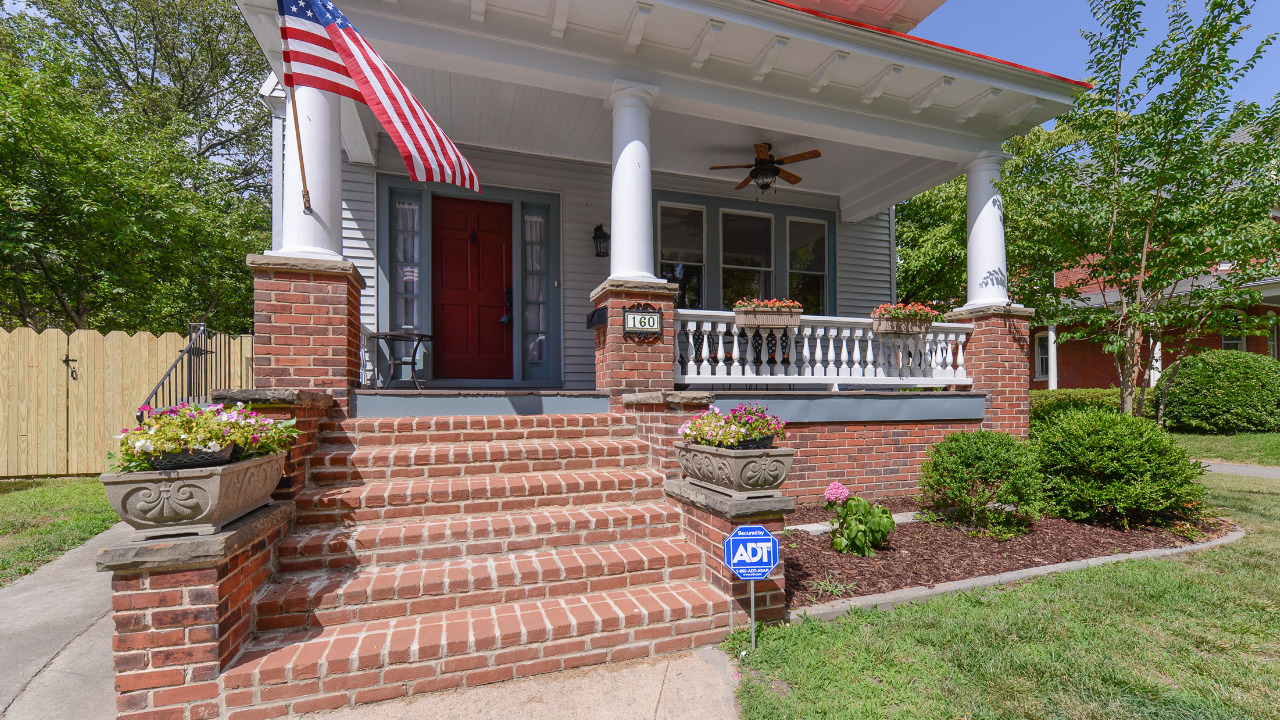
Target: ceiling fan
[[766, 170]]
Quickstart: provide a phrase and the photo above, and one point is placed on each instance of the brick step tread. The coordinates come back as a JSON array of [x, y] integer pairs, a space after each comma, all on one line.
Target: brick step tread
[[339, 440], [459, 423], [330, 465], [445, 537], [474, 495], [319, 599], [338, 666]]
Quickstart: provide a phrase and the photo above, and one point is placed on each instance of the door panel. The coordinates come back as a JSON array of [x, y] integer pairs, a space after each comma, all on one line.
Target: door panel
[[471, 281]]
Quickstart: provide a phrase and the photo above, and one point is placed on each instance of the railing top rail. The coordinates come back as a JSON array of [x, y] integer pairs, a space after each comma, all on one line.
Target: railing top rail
[[825, 320]]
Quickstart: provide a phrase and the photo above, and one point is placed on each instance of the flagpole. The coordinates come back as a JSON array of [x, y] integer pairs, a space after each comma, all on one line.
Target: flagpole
[[302, 167]]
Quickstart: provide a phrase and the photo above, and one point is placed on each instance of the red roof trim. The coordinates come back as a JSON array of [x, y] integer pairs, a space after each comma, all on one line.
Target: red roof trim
[[893, 33]]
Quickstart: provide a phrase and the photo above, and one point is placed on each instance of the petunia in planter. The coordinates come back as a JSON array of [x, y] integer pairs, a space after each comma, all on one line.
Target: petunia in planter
[[191, 470], [903, 319], [767, 314], [733, 454]]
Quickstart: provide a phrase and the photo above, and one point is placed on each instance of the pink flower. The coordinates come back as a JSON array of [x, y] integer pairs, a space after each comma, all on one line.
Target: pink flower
[[254, 439], [145, 408], [836, 493]]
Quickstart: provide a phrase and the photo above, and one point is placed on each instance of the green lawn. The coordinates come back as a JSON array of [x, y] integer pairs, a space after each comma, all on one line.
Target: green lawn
[[1249, 448], [41, 519], [1195, 639]]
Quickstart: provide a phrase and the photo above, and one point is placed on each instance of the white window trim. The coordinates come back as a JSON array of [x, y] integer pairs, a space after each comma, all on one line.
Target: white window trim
[[1035, 355]]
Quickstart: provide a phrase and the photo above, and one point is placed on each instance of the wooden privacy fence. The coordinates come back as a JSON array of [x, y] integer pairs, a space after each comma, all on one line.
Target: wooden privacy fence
[[63, 397]]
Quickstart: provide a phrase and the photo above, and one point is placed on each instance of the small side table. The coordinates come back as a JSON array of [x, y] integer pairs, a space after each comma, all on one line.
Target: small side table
[[387, 339]]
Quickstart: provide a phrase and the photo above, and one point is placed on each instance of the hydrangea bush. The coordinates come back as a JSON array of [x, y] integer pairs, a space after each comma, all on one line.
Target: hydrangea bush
[[210, 429], [858, 527], [744, 423]]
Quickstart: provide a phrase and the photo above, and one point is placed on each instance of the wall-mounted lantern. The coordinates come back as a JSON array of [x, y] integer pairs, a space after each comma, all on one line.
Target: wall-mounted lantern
[[601, 239]]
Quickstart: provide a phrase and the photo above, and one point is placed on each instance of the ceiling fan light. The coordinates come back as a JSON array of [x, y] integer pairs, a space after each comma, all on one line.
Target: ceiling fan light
[[764, 177]]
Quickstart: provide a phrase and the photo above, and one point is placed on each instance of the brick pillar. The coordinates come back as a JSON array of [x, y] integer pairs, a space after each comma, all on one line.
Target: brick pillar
[[306, 407], [182, 613], [658, 415], [997, 357], [306, 324], [708, 519], [624, 365]]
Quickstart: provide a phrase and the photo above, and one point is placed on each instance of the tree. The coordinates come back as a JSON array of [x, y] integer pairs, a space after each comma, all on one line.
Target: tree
[[190, 66], [1161, 180], [107, 223]]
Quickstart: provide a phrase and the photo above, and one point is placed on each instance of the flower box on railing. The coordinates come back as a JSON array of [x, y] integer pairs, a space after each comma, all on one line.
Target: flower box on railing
[[881, 326], [767, 314]]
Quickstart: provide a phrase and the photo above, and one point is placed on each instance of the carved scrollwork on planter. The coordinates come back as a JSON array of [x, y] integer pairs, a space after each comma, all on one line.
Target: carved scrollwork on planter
[[739, 471], [166, 502], [764, 473]]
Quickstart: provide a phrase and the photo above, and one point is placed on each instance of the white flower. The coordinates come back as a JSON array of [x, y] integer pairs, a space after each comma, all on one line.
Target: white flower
[[143, 446], [151, 430], [213, 447]]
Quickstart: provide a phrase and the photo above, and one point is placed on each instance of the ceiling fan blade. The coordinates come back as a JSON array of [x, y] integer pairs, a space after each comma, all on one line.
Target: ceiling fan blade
[[789, 176], [799, 157], [744, 183], [762, 150], [732, 167]]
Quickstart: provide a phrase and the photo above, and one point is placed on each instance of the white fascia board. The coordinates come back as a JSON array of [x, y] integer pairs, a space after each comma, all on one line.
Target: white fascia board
[[418, 42], [802, 27]]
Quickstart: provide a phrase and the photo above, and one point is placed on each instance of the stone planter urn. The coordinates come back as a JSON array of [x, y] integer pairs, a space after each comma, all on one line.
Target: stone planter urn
[[766, 318], [193, 501], [881, 326], [740, 474]]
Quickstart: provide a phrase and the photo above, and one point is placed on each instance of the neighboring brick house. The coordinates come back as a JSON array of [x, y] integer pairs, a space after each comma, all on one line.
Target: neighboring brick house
[[1084, 364]]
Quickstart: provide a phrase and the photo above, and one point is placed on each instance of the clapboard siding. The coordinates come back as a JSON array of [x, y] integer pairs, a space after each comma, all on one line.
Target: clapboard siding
[[863, 260], [864, 265], [359, 233]]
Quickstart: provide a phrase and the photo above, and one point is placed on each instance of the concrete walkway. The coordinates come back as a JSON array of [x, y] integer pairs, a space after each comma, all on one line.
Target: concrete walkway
[[1262, 471], [55, 629], [697, 684]]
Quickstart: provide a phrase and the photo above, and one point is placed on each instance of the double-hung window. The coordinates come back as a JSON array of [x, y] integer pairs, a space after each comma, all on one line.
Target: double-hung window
[[746, 256], [807, 260], [682, 235]]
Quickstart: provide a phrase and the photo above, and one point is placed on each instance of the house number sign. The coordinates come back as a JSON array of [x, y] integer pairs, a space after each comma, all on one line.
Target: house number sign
[[641, 322]]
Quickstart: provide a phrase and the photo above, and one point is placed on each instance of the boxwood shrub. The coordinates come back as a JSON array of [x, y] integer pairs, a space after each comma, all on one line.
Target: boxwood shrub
[[1118, 470], [1047, 403], [986, 479], [1223, 392]]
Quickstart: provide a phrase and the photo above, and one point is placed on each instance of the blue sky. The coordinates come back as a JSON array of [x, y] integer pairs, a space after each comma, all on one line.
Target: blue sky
[[1045, 34]]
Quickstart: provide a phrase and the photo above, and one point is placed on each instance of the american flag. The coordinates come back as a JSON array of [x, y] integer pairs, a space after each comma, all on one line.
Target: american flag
[[323, 50]]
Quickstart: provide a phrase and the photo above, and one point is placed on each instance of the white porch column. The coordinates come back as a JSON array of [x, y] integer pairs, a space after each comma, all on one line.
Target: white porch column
[[1053, 357], [317, 234], [631, 223], [988, 282]]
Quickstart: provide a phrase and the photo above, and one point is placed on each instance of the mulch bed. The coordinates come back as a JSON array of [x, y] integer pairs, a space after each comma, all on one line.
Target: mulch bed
[[922, 553]]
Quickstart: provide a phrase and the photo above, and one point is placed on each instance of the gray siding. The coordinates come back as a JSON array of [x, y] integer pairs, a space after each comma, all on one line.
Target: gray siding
[[863, 259], [864, 265]]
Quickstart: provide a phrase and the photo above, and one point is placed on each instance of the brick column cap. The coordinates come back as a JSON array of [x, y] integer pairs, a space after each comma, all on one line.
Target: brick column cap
[[680, 398], [969, 313], [737, 511], [307, 265], [287, 397], [616, 285], [193, 552]]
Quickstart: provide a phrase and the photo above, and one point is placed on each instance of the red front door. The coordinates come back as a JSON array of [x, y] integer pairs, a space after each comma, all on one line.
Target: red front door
[[471, 289]]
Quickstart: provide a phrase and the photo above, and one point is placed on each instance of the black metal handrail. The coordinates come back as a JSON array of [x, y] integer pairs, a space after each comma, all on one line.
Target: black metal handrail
[[203, 365]]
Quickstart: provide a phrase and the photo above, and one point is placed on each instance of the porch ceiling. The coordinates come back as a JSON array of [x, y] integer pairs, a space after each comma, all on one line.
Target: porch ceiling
[[892, 115]]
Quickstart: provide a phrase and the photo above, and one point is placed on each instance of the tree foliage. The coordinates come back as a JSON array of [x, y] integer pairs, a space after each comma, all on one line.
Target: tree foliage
[[109, 222], [190, 66]]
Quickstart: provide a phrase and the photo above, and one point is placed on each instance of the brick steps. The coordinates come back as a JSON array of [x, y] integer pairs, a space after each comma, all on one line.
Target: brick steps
[[339, 666], [322, 599], [458, 536], [366, 432], [476, 495], [329, 466]]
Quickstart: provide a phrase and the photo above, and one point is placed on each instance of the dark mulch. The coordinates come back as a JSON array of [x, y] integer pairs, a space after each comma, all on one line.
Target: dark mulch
[[809, 514], [926, 554]]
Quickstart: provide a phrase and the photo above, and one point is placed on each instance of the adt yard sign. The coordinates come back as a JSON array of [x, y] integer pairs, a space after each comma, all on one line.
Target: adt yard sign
[[751, 552]]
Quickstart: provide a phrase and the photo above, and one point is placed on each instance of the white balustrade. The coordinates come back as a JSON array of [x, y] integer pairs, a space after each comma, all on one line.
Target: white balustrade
[[835, 352]]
